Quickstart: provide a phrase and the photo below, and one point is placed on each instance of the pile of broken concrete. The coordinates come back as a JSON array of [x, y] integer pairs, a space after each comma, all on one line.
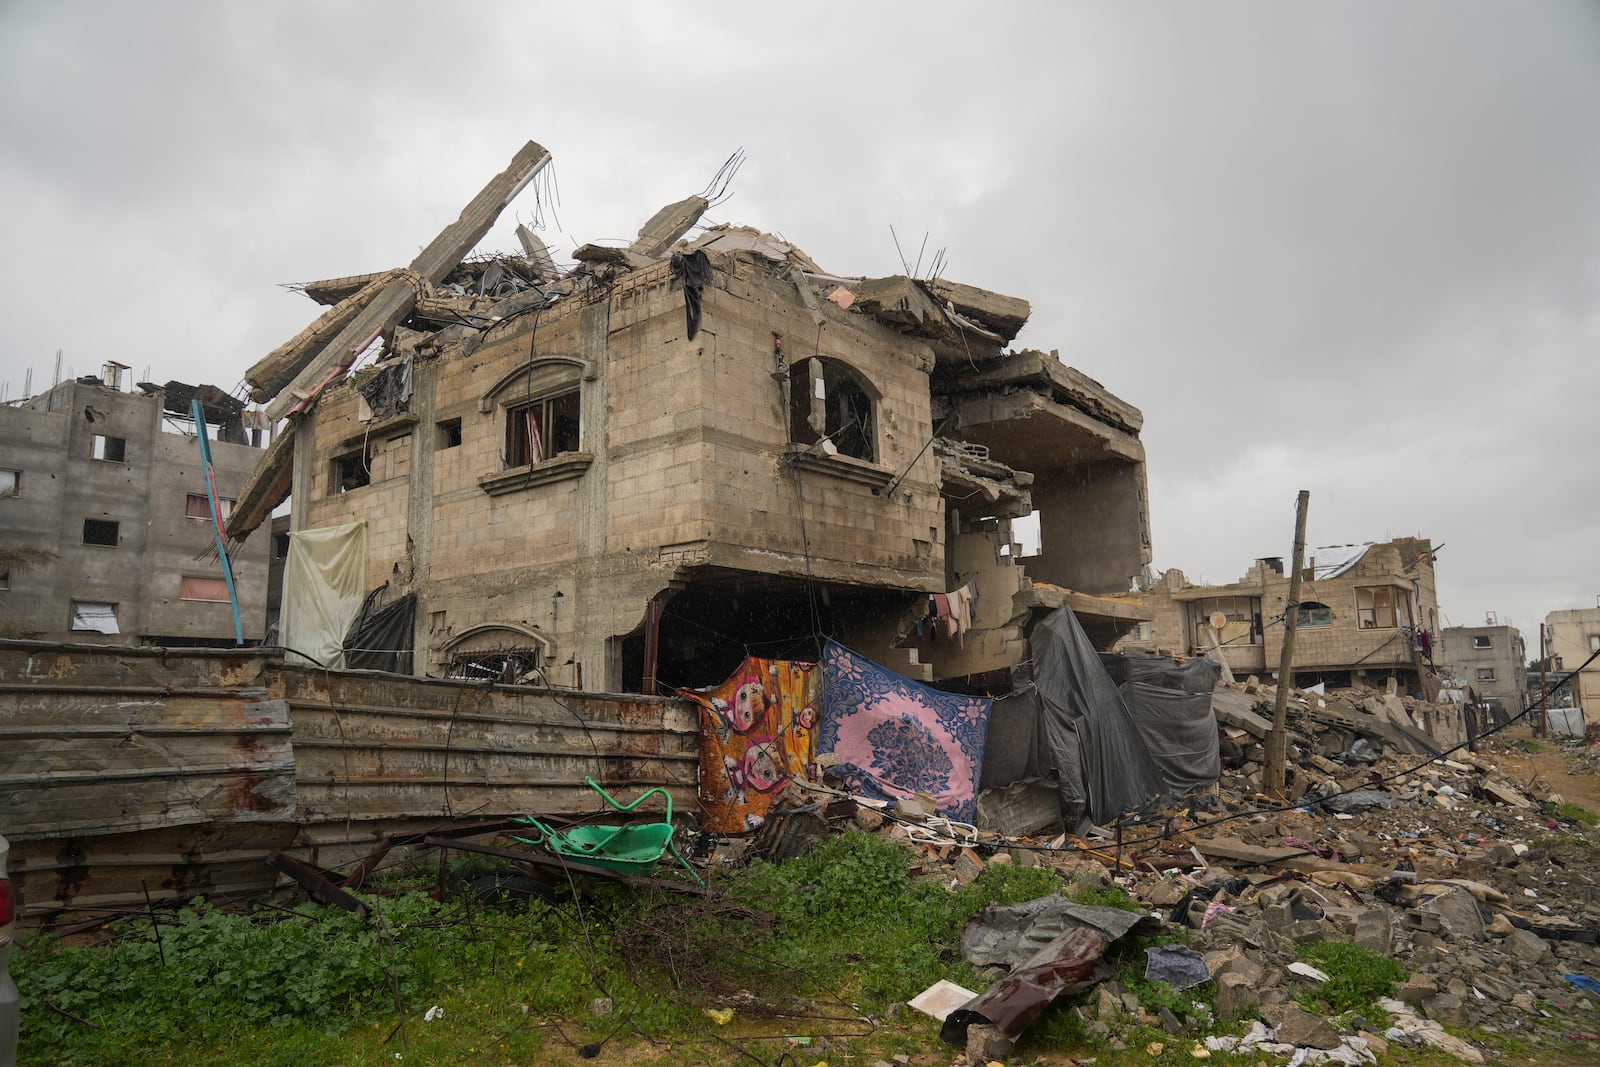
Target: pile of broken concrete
[[1461, 874]]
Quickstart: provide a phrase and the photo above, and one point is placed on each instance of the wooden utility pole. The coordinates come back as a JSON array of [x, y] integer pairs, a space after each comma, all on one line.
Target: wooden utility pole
[[1278, 739], [1544, 695]]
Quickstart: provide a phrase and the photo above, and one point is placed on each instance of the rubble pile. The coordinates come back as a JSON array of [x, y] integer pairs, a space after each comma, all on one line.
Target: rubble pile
[[1458, 872]]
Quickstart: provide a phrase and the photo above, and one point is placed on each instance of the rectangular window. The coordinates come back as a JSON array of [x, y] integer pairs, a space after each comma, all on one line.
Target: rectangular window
[[10, 481], [449, 434], [1485, 674], [194, 588], [1240, 617], [350, 471], [95, 617], [110, 449], [280, 546], [1481, 641], [542, 429], [1312, 613], [1375, 608], [100, 532], [198, 506], [1594, 642]]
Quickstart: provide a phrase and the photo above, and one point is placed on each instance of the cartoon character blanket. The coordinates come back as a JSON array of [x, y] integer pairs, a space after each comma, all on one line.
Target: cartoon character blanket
[[757, 730], [895, 738]]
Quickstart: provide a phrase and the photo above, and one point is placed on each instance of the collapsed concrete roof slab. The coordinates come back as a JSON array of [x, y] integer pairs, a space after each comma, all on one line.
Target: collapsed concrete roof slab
[[1005, 315], [1037, 433], [396, 299], [279, 367], [267, 487], [668, 225], [1045, 373], [332, 290]]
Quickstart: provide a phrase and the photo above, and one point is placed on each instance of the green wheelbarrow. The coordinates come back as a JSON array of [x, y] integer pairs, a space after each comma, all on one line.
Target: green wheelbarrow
[[630, 849]]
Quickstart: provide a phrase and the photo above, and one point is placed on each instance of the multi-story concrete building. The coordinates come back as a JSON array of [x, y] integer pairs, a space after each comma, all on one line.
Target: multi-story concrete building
[[1490, 659], [1571, 637], [112, 483], [633, 474], [1365, 613]]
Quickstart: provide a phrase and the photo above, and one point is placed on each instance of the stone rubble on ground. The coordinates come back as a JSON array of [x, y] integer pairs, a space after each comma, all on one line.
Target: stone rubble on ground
[[1457, 871]]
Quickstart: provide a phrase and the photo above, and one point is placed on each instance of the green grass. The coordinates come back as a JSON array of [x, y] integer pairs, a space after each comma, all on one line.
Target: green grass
[[847, 924], [1570, 812], [1356, 977]]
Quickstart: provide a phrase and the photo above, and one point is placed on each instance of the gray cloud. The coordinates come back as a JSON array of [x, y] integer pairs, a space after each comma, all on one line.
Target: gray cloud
[[1352, 248]]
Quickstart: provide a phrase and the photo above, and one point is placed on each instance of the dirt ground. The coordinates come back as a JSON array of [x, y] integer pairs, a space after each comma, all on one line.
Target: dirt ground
[[1550, 764]]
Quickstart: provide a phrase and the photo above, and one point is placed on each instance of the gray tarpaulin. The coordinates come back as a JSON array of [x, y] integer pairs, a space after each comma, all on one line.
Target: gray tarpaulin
[[1179, 731], [1016, 746], [1094, 745], [1116, 748]]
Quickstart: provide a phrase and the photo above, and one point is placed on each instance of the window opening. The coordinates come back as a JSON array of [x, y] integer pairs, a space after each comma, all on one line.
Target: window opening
[[92, 616], [1312, 613], [100, 532], [110, 449], [542, 429], [1377, 607], [281, 546], [449, 434], [198, 588], [1485, 674], [350, 471], [1242, 619], [5, 576], [510, 667], [10, 481], [198, 506], [828, 400], [1480, 641]]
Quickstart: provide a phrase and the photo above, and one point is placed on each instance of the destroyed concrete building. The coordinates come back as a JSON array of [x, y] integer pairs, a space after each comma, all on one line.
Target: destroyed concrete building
[[1490, 660], [1571, 637], [629, 475], [1367, 613], [112, 483]]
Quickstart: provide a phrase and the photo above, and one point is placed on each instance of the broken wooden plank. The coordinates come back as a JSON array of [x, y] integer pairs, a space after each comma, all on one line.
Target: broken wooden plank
[[317, 883], [396, 298]]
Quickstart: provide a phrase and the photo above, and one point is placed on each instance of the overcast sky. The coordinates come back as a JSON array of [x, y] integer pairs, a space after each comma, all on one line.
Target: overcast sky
[[1351, 248]]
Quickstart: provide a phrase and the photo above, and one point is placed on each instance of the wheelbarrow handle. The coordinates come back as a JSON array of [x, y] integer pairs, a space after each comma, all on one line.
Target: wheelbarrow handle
[[641, 798]]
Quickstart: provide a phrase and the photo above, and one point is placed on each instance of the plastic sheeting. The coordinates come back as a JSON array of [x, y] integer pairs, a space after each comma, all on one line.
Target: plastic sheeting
[[1568, 722], [1116, 748], [1330, 561], [1104, 767], [324, 579], [381, 637]]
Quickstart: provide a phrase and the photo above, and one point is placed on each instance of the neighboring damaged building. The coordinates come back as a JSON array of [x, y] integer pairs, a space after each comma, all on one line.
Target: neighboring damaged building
[[632, 474], [1367, 613], [1571, 637], [1489, 661], [112, 483]]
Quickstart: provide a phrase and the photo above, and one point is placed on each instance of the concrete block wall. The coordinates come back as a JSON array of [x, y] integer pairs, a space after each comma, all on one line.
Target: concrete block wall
[[51, 441]]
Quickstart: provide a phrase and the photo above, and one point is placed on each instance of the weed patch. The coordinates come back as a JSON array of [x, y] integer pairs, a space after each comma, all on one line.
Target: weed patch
[[1356, 976], [1570, 812]]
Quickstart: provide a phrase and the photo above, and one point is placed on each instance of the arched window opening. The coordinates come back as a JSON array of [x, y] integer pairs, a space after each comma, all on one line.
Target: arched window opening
[[1311, 613], [829, 400]]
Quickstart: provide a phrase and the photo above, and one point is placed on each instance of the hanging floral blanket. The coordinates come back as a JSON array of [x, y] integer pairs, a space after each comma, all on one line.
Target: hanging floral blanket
[[895, 738], [757, 730]]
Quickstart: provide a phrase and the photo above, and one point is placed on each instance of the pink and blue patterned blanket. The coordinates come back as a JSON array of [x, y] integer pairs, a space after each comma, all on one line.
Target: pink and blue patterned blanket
[[896, 738]]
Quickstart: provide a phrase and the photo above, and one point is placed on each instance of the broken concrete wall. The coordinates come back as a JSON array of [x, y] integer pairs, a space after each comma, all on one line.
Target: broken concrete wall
[[1094, 531], [682, 461], [1339, 636]]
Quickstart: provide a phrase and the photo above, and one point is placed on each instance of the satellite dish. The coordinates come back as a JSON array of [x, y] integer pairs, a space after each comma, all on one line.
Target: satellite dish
[[1218, 620]]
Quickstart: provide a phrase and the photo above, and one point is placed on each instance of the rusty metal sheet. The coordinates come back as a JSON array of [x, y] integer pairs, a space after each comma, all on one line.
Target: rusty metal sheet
[[87, 758], [1014, 1002], [370, 747]]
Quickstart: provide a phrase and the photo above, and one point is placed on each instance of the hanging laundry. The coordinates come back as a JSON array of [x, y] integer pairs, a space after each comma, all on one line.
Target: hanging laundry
[[895, 738], [695, 270], [757, 731]]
